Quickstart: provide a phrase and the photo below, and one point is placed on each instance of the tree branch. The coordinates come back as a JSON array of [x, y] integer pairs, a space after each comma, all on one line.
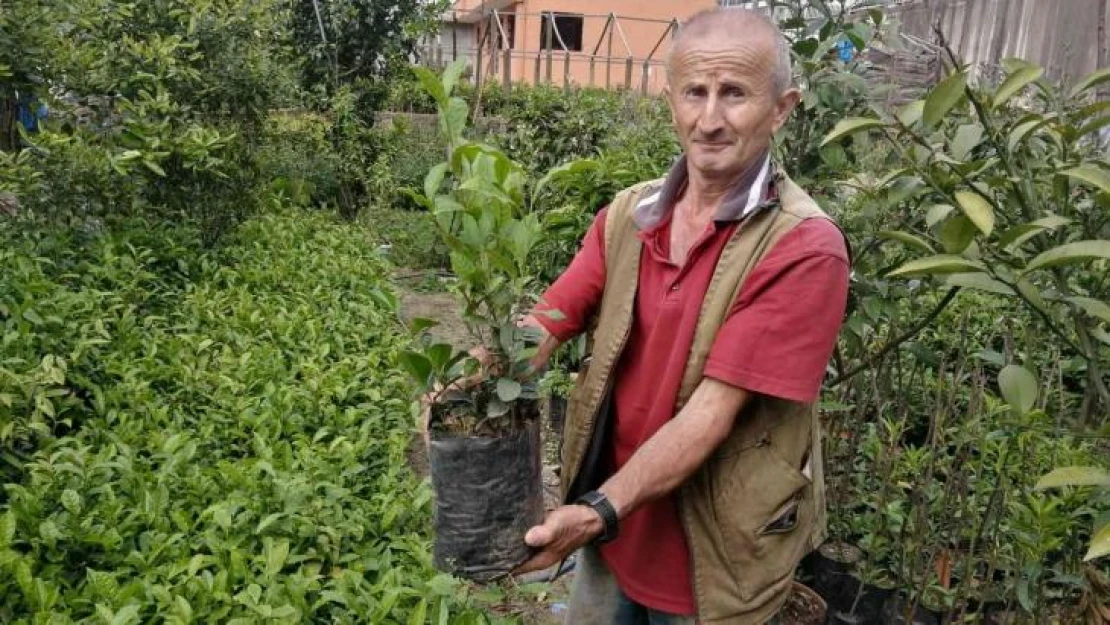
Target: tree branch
[[902, 338]]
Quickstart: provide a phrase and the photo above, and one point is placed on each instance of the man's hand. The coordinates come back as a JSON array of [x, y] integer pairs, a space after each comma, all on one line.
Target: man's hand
[[565, 529]]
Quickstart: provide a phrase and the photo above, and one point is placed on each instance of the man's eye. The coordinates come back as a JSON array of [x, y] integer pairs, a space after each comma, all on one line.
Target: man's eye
[[734, 92], [695, 92]]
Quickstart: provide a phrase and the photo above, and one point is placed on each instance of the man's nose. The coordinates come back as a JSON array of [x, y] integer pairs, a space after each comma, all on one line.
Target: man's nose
[[710, 120]]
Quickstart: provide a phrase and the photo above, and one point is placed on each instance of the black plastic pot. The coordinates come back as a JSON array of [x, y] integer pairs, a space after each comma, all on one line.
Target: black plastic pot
[[557, 412], [866, 607], [831, 567], [489, 492], [896, 607]]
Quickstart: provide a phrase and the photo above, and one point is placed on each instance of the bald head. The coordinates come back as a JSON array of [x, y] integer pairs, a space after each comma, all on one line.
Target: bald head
[[741, 25]]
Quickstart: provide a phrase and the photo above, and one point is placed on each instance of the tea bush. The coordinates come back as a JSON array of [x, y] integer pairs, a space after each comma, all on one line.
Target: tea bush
[[231, 448]]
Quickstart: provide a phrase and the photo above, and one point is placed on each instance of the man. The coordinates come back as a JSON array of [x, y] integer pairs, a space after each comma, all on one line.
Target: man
[[691, 465]]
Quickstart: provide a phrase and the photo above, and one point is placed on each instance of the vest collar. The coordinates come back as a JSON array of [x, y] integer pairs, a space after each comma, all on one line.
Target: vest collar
[[754, 190]]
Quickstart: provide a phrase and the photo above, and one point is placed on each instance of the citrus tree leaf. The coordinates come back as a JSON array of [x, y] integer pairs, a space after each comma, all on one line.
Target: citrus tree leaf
[[1090, 174], [937, 213], [1074, 476], [977, 209], [1091, 306], [980, 282], [1016, 236], [937, 264], [1015, 82], [911, 240], [1019, 387], [1100, 544], [943, 97], [1070, 254], [852, 125], [1093, 79]]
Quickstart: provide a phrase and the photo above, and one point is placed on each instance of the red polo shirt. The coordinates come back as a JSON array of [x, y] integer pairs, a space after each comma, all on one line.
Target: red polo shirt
[[776, 340]]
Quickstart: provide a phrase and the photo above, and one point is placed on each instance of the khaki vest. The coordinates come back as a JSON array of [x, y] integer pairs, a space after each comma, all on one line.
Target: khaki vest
[[757, 506]]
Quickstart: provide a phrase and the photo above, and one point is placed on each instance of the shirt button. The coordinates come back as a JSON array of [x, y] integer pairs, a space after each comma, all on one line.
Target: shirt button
[[674, 287]]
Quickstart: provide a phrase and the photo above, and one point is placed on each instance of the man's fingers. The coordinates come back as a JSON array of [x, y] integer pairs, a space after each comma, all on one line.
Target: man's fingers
[[539, 536], [538, 562]]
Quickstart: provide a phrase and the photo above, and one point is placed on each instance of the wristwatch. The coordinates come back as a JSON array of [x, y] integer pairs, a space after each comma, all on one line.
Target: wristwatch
[[600, 503]]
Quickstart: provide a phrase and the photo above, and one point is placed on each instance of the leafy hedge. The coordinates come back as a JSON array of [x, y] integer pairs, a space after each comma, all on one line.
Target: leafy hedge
[[228, 448]]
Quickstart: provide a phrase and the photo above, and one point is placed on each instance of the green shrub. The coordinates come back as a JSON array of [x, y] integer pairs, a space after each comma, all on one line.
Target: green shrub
[[229, 449]]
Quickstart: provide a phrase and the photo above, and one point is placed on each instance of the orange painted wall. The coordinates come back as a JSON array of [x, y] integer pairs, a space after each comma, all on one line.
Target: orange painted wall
[[641, 37]]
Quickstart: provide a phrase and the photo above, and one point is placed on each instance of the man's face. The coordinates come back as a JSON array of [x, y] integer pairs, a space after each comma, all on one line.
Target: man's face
[[723, 101]]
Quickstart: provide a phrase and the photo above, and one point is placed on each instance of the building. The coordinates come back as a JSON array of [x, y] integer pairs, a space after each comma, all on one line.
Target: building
[[619, 44]]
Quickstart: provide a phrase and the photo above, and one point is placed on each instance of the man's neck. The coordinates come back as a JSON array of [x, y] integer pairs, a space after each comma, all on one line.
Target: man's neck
[[705, 194]]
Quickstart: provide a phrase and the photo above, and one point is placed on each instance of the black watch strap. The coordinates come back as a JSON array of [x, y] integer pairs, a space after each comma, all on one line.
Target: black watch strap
[[600, 503]]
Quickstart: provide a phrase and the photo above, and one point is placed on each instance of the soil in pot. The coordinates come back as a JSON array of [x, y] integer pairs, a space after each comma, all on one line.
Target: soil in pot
[[489, 492], [803, 607]]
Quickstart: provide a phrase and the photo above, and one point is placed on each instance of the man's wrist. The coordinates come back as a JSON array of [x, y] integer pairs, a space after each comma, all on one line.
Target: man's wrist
[[604, 517]]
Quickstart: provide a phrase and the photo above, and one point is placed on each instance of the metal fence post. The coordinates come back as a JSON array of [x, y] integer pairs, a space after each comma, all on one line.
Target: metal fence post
[[628, 73], [566, 72], [508, 72]]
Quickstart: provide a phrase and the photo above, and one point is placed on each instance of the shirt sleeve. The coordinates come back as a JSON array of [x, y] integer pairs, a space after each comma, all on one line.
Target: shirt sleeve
[[781, 330], [576, 294]]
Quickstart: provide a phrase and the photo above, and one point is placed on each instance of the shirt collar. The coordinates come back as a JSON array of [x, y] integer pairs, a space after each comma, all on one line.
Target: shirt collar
[[752, 191]]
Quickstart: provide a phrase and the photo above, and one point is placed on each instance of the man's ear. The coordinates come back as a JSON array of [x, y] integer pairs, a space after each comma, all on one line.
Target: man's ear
[[785, 105], [667, 95]]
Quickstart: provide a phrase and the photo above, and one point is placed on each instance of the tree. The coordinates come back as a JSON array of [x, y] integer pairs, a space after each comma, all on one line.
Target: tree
[[345, 41]]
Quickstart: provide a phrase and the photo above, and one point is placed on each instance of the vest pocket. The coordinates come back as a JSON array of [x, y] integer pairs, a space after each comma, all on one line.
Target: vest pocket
[[763, 506]]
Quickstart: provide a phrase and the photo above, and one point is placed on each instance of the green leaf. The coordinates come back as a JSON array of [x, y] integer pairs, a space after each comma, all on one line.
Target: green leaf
[[1090, 174], [851, 126], [155, 167], [7, 530], [431, 84], [434, 180], [508, 390], [1093, 79], [277, 551], [1070, 254], [417, 365], [980, 282], [938, 264], [1019, 388], [1023, 130], [1091, 306], [1015, 82], [937, 213], [440, 355], [911, 240], [957, 234], [71, 501], [1018, 235], [944, 97], [572, 168], [451, 75], [1074, 476], [419, 324], [911, 113], [967, 138], [453, 122], [977, 209], [1100, 544], [419, 615]]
